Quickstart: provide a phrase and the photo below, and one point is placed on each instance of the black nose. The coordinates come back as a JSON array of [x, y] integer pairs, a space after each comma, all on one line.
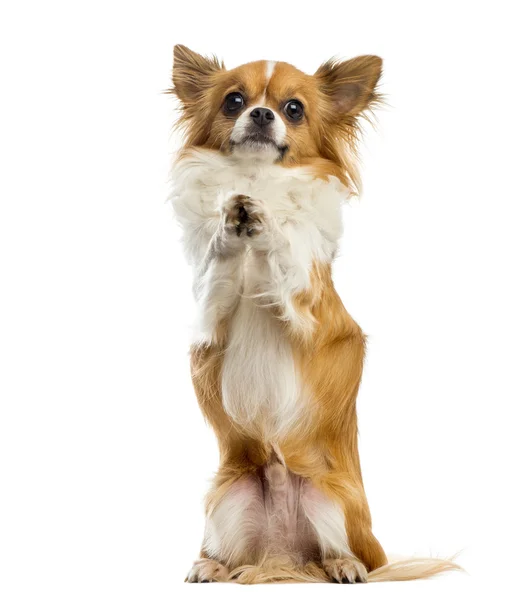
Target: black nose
[[262, 116]]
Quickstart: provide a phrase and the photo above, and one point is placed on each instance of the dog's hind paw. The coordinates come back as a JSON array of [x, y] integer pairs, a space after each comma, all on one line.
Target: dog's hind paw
[[206, 570], [345, 570]]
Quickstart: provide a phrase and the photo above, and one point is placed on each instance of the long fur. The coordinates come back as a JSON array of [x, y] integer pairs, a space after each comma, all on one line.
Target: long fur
[[281, 570], [276, 359]]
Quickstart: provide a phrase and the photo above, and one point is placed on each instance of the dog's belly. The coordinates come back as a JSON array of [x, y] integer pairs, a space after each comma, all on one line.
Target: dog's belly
[[287, 529], [264, 515], [260, 387]]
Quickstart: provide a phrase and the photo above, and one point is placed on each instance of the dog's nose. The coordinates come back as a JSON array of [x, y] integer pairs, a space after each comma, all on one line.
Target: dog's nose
[[262, 116]]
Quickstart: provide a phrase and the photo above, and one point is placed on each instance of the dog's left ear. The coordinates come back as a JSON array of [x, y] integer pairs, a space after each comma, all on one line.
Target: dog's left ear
[[192, 73], [350, 84]]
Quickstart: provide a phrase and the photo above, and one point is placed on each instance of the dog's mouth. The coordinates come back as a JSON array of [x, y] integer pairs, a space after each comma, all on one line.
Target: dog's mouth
[[257, 138], [257, 142]]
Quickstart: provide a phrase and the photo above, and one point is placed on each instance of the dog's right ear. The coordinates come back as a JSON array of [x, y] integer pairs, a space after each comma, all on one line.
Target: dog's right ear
[[192, 73]]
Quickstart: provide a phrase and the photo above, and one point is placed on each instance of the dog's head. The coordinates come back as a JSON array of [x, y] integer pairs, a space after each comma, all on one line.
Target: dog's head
[[272, 111]]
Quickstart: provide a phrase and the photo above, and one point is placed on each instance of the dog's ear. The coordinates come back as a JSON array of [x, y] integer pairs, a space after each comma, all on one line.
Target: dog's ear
[[192, 73], [350, 85]]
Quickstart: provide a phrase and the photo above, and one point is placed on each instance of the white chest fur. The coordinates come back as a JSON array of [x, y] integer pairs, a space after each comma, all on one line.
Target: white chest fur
[[260, 385]]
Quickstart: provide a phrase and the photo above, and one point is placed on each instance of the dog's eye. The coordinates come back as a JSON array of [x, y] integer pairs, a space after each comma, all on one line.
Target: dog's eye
[[233, 103], [293, 109]]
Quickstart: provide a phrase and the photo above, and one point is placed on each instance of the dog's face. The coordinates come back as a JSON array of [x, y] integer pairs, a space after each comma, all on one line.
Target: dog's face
[[272, 111], [261, 118], [267, 110]]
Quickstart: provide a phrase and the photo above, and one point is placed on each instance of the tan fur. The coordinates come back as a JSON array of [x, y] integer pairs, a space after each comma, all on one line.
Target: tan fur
[[331, 363], [327, 140], [322, 449]]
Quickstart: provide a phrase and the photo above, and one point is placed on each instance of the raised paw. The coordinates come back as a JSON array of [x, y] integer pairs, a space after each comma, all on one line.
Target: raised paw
[[345, 570], [206, 570], [243, 215]]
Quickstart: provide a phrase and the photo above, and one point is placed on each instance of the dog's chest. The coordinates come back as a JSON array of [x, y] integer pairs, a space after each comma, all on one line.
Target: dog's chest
[[260, 385], [261, 390]]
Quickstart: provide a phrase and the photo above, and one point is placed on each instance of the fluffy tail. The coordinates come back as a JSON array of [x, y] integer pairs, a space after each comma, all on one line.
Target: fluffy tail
[[281, 569], [413, 568]]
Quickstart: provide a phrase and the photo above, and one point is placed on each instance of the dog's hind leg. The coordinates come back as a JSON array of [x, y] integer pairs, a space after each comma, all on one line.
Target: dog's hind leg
[[235, 519]]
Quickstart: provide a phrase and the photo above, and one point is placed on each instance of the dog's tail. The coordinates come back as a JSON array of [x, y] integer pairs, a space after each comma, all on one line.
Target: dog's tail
[[281, 569], [413, 568]]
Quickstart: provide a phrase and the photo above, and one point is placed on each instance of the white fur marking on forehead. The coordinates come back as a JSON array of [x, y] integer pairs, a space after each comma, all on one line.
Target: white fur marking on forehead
[[270, 67]]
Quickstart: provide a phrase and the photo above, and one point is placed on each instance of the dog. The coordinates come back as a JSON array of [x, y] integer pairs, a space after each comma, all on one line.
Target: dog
[[268, 160]]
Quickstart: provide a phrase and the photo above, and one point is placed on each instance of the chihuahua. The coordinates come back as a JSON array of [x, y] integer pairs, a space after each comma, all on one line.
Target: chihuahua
[[268, 160]]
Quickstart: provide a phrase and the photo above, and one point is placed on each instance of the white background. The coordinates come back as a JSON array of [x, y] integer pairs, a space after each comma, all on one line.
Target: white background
[[104, 455]]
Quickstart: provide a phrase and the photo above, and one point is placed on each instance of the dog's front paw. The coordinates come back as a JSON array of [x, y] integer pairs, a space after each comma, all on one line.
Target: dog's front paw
[[243, 216], [345, 570], [206, 570]]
